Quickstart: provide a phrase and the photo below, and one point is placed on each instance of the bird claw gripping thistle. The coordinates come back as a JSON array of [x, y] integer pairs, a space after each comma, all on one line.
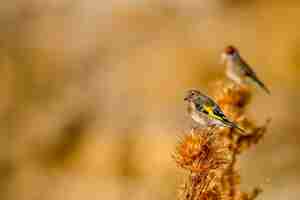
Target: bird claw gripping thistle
[[238, 70], [206, 112]]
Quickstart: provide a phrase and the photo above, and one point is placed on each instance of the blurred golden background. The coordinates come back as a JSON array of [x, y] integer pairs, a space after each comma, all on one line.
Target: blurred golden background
[[92, 93]]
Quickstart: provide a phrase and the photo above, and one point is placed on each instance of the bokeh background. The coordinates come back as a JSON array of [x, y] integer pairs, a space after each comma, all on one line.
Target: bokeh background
[[92, 93]]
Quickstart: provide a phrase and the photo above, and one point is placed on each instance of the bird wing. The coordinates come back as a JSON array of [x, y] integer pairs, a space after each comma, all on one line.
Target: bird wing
[[216, 113], [252, 75], [206, 105], [213, 111], [246, 68]]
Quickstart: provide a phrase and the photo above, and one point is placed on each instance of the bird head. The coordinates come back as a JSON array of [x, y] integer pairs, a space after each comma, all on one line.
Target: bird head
[[229, 53], [192, 95]]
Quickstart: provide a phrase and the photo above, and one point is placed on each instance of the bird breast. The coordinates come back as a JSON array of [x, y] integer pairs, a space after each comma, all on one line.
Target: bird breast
[[197, 116], [200, 118], [233, 72]]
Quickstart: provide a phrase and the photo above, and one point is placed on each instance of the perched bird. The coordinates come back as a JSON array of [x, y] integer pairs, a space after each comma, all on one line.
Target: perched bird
[[206, 112], [238, 70]]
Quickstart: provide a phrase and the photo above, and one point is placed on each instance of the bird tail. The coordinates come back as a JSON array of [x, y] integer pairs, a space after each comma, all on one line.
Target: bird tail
[[261, 84], [233, 125]]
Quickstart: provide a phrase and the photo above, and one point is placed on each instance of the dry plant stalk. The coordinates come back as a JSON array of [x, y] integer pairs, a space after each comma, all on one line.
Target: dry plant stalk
[[211, 159]]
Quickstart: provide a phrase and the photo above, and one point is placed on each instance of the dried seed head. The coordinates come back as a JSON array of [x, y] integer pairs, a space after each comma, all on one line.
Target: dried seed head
[[210, 195], [234, 96], [198, 152]]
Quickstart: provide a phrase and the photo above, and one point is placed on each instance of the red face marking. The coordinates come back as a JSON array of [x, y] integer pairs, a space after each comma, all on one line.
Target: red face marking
[[230, 50]]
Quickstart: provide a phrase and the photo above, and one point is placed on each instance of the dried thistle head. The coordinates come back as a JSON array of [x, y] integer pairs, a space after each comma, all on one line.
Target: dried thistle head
[[232, 99], [198, 152], [210, 195], [231, 94], [201, 186], [238, 96]]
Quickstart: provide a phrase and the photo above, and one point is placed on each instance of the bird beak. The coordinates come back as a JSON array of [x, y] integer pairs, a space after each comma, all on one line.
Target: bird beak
[[186, 98], [223, 58]]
